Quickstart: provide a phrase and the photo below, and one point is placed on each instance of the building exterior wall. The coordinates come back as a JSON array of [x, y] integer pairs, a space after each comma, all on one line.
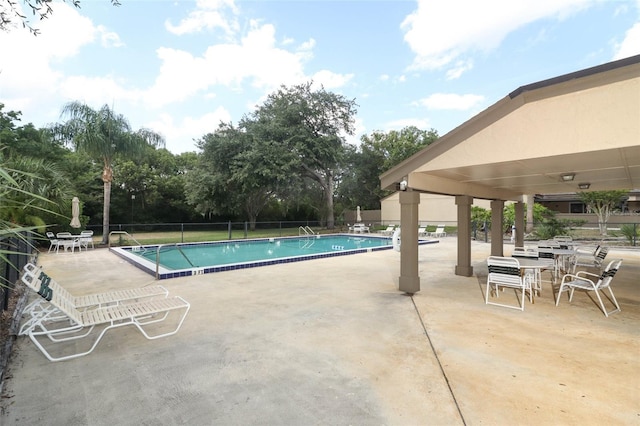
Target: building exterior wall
[[433, 209]]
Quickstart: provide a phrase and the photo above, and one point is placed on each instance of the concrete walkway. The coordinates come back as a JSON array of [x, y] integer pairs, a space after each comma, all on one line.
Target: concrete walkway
[[333, 341]]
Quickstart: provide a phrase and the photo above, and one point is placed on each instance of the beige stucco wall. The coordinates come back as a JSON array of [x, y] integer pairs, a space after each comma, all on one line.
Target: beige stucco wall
[[433, 209]]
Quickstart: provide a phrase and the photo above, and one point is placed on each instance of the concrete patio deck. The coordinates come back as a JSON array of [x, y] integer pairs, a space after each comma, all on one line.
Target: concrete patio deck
[[333, 341]]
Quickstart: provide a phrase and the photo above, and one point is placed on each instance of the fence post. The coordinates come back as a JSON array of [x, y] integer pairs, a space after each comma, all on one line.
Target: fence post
[[229, 230], [182, 232]]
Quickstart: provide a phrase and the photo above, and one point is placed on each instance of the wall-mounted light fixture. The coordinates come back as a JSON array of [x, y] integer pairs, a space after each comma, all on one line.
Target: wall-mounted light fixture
[[584, 185], [568, 177], [403, 185]]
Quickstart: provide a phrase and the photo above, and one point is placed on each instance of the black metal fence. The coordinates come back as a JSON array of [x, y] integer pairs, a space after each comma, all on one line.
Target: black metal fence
[[16, 252], [624, 233]]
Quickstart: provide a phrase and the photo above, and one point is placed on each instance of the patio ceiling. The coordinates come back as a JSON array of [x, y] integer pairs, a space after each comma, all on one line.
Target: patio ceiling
[[585, 123]]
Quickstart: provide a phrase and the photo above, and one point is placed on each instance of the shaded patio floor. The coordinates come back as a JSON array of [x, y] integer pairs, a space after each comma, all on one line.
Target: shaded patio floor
[[332, 341]]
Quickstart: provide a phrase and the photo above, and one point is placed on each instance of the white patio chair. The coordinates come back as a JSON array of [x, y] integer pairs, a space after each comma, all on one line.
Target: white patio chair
[[535, 274], [583, 280], [86, 238], [81, 323], [594, 260], [422, 231], [504, 272], [53, 241], [439, 232]]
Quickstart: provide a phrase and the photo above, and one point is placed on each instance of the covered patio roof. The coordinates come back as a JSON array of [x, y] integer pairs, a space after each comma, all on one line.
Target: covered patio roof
[[586, 123], [562, 135]]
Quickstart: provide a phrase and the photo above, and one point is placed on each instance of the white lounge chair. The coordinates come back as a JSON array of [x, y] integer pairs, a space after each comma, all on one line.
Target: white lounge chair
[[82, 323], [389, 230], [422, 231], [439, 232], [39, 308]]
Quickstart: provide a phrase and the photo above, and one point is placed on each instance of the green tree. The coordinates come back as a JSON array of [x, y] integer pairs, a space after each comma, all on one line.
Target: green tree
[[540, 214], [235, 174], [43, 197], [27, 141], [103, 135], [394, 146], [602, 203], [152, 189], [301, 132], [378, 152]]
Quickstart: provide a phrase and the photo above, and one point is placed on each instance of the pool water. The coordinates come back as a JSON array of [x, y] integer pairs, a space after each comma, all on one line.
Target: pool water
[[177, 260], [213, 254]]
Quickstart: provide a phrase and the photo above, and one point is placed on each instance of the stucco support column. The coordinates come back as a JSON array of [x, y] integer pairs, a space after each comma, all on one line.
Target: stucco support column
[[409, 279], [464, 267], [497, 216], [519, 208]]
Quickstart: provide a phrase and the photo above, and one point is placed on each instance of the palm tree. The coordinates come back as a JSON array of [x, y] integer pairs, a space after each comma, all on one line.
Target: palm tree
[[103, 135]]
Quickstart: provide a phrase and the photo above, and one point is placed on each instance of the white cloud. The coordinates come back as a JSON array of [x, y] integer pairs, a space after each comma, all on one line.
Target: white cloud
[[440, 32], [29, 82], [459, 68], [180, 136], [256, 58], [451, 101], [331, 80], [96, 91], [109, 38], [630, 46], [209, 14]]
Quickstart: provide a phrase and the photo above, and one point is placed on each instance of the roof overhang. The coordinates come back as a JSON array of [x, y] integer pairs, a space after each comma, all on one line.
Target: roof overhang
[[585, 123]]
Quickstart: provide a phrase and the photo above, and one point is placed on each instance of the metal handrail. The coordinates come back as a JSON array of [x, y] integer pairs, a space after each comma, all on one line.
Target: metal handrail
[[127, 234], [158, 257]]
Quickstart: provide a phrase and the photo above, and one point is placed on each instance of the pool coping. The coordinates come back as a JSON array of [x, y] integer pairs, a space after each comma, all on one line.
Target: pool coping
[[162, 273]]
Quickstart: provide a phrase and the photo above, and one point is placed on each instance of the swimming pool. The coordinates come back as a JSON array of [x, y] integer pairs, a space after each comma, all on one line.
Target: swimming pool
[[180, 260]]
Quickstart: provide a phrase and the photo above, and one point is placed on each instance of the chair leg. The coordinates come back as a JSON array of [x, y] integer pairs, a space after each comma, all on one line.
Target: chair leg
[[604, 310], [615, 301]]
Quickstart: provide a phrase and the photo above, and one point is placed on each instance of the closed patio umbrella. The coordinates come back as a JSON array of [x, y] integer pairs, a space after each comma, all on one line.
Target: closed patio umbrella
[[358, 216], [75, 213]]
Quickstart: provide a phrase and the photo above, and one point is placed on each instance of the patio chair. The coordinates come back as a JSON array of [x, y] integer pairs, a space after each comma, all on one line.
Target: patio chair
[[422, 231], [594, 260], [439, 232], [53, 241], [535, 274], [82, 323], [564, 241], [86, 238], [587, 281], [505, 272]]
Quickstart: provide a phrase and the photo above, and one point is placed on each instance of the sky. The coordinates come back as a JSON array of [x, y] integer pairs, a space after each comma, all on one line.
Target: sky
[[181, 67]]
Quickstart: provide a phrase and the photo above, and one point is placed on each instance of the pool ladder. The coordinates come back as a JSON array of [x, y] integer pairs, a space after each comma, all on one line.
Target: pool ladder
[[306, 231]]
